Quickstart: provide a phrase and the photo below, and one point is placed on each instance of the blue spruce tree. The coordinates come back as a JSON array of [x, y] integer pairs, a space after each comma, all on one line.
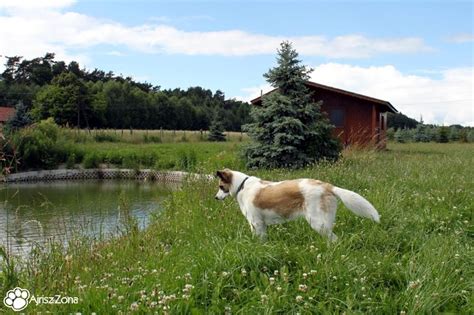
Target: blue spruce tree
[[288, 129]]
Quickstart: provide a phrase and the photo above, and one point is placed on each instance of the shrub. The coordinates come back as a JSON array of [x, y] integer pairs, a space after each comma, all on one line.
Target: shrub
[[470, 135], [420, 134], [71, 161], [131, 161], [91, 160], [443, 135], [37, 146], [105, 137]]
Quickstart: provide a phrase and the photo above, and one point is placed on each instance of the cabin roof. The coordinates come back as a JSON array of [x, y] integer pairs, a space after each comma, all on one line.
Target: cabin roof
[[315, 85]]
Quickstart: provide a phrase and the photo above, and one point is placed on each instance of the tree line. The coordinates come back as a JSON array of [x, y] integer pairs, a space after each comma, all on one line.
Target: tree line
[[43, 87]]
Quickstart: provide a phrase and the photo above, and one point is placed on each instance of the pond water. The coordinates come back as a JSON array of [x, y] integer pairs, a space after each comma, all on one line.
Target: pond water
[[36, 214]]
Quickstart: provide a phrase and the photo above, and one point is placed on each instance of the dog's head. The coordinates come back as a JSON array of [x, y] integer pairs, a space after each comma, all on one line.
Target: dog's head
[[225, 183]]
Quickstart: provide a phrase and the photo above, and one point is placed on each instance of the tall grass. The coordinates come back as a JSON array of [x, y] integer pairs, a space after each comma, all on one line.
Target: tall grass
[[198, 256], [146, 136]]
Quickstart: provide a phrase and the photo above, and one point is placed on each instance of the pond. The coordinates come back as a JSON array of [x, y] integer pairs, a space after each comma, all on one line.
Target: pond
[[38, 213]]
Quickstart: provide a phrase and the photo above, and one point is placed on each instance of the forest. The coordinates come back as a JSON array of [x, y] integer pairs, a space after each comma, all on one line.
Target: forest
[[44, 87]]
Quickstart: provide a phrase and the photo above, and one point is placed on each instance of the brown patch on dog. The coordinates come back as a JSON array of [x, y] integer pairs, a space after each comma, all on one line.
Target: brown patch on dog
[[284, 198], [326, 197], [225, 179], [315, 182]]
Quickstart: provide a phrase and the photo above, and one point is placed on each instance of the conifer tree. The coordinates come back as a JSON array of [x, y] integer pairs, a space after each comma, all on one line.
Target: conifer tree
[[421, 134], [443, 134], [288, 129], [20, 119], [216, 129]]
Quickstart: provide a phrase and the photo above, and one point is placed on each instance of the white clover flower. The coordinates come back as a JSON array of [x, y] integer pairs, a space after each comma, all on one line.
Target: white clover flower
[[134, 306]]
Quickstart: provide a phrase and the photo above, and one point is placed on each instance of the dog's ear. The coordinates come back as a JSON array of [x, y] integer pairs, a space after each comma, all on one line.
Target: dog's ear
[[225, 176]]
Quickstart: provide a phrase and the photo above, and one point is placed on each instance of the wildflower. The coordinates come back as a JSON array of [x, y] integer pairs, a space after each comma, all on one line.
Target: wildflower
[[134, 306], [278, 288], [303, 287], [224, 273], [305, 275], [153, 304], [272, 280], [299, 299], [188, 288], [414, 284], [243, 272], [313, 272], [264, 298], [275, 272], [120, 298]]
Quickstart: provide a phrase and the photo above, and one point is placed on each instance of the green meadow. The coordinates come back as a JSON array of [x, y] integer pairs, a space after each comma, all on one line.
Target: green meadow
[[198, 255]]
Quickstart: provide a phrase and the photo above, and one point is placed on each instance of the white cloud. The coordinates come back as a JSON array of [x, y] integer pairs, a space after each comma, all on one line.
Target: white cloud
[[32, 5], [447, 100], [25, 32], [462, 38], [115, 53]]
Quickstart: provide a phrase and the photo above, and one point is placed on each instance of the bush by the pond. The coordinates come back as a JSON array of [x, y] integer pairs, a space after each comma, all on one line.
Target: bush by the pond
[[91, 160], [42, 146]]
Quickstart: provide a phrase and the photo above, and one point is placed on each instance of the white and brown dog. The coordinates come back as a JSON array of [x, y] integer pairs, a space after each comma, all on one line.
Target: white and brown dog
[[264, 203]]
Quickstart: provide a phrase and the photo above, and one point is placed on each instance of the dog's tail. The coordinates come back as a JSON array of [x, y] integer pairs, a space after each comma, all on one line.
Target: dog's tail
[[357, 204]]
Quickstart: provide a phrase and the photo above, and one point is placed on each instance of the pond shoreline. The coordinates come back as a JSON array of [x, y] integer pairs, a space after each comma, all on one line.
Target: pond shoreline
[[101, 173]]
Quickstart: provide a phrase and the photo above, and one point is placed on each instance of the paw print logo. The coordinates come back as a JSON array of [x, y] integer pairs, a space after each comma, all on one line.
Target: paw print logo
[[17, 299]]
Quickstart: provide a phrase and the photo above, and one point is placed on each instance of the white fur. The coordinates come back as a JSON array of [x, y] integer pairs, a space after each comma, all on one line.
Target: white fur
[[321, 220]]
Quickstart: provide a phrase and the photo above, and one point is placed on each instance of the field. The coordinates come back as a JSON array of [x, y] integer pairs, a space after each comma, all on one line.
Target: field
[[198, 255]]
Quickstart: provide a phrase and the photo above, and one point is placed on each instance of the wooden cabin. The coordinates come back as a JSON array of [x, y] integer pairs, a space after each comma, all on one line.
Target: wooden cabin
[[358, 119], [5, 114]]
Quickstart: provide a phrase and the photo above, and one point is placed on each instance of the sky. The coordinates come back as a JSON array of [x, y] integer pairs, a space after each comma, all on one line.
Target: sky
[[418, 55]]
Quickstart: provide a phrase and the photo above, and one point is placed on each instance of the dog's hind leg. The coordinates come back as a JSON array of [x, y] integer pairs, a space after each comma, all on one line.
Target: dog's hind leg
[[321, 217], [258, 227]]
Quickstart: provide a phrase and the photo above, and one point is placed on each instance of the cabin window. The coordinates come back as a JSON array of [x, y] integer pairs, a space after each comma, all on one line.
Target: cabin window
[[337, 117]]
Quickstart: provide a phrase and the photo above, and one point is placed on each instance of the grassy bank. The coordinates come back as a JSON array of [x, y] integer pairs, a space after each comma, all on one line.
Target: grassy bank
[[199, 255], [47, 146]]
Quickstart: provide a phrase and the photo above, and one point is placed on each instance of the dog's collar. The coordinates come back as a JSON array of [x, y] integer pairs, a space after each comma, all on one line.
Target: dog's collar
[[241, 185]]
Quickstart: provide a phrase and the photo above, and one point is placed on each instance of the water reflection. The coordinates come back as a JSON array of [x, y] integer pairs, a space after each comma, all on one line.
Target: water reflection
[[38, 213]]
